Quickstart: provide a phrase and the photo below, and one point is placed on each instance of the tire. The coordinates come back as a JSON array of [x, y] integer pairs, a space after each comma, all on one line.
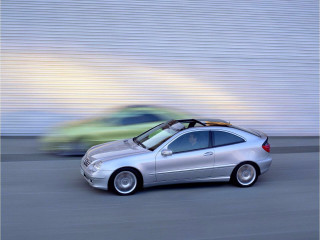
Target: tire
[[245, 175], [125, 181]]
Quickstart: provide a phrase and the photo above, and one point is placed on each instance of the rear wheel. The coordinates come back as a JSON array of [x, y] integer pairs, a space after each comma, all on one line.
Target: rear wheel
[[125, 181], [245, 175]]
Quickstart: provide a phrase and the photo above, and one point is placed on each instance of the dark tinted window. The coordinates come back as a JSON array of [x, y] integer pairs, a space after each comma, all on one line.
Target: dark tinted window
[[141, 118], [190, 141], [223, 138]]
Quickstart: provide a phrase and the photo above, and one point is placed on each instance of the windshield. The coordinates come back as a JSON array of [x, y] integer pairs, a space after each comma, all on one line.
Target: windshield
[[158, 135]]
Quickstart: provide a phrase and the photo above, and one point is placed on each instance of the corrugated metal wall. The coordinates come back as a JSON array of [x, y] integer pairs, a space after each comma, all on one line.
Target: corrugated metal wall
[[254, 63]]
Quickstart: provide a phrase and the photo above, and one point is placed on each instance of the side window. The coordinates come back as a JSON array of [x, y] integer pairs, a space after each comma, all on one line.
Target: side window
[[141, 118], [223, 138], [190, 141]]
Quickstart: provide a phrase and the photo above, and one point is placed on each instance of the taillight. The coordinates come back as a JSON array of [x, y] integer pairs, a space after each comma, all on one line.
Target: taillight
[[266, 146]]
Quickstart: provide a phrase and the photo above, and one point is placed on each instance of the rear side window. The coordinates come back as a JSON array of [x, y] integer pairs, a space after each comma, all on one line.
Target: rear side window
[[223, 138]]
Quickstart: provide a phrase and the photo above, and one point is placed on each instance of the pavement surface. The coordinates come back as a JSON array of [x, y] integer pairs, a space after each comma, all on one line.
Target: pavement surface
[[45, 197]]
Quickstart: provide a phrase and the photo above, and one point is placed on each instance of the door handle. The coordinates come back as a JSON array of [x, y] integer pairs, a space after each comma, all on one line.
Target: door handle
[[207, 153]]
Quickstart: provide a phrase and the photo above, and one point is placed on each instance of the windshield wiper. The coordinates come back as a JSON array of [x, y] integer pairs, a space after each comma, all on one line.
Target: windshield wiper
[[138, 143]]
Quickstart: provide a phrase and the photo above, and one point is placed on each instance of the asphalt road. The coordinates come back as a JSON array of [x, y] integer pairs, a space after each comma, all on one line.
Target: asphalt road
[[50, 200]]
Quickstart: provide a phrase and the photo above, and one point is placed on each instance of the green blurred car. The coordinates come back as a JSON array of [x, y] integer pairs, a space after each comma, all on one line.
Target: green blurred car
[[76, 137]]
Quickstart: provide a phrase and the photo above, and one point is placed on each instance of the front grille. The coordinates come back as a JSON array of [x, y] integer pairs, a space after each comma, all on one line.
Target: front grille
[[87, 161]]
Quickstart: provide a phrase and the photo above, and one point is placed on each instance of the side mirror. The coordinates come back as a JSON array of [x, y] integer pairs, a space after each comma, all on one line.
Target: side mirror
[[166, 152]]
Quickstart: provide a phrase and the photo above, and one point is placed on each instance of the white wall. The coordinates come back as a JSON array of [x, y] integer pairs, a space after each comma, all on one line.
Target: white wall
[[254, 63]]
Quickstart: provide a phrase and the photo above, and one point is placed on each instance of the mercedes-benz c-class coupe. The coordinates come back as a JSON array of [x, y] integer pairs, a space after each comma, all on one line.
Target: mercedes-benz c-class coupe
[[179, 151]]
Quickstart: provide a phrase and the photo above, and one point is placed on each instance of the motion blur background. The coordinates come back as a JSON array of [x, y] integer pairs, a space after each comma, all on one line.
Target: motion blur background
[[254, 63]]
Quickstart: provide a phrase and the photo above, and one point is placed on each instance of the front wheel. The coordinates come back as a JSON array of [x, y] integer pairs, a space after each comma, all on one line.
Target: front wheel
[[245, 175], [124, 181]]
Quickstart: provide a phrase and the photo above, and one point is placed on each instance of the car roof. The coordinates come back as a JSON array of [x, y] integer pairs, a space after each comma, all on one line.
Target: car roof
[[216, 123], [205, 122]]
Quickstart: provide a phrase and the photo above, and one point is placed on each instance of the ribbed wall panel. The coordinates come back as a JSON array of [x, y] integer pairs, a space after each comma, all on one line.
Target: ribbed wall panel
[[254, 63]]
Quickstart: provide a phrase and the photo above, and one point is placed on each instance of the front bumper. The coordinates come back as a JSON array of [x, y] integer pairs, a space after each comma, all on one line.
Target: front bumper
[[99, 181]]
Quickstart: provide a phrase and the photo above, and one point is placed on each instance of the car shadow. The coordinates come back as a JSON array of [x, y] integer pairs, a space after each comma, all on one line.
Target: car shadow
[[171, 187], [183, 186]]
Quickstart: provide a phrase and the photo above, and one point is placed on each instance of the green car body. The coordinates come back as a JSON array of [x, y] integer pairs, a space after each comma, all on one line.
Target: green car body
[[77, 136]]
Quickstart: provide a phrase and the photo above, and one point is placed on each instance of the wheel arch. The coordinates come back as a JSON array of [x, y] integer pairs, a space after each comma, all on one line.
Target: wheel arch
[[135, 170], [244, 162]]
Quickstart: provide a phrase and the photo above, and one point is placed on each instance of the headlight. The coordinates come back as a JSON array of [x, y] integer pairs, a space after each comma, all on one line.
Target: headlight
[[95, 166]]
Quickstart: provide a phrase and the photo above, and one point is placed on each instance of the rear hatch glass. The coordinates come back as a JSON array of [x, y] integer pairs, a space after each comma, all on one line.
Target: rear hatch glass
[[250, 130]]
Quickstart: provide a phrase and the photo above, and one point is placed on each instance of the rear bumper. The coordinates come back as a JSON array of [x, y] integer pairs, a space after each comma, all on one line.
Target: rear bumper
[[265, 164], [101, 182]]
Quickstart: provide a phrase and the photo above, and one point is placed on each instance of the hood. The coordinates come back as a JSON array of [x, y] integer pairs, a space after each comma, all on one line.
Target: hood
[[116, 149]]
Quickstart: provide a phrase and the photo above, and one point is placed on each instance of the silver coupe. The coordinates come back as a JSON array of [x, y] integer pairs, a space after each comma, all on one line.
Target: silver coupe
[[179, 151]]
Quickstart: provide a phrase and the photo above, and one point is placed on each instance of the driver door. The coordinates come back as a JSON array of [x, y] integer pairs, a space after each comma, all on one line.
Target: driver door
[[192, 158]]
